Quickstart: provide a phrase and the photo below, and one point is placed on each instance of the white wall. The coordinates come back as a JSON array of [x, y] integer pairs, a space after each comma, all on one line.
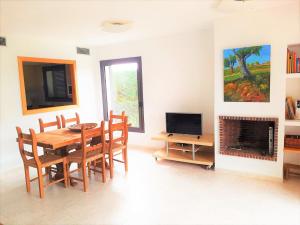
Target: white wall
[[277, 27], [11, 111], [177, 77]]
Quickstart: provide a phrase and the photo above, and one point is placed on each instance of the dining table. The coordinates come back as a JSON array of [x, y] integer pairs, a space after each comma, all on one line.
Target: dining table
[[60, 138], [58, 141]]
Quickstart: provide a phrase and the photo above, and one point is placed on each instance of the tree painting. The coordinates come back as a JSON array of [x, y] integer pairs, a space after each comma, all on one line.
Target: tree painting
[[247, 74], [229, 62]]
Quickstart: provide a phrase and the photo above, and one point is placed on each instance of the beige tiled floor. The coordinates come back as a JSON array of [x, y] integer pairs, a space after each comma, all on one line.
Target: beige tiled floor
[[155, 193]]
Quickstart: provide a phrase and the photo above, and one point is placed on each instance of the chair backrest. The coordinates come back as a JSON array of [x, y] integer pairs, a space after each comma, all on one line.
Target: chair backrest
[[114, 117], [28, 139], [89, 134], [43, 125], [74, 120], [120, 128]]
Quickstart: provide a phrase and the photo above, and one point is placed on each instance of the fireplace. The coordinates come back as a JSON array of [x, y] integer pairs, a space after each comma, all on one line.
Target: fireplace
[[250, 137]]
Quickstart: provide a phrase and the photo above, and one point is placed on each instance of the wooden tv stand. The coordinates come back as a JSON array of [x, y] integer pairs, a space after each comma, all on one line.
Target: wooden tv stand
[[187, 148]]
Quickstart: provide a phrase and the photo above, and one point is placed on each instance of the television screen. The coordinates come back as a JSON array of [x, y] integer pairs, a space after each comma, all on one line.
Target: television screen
[[184, 123]]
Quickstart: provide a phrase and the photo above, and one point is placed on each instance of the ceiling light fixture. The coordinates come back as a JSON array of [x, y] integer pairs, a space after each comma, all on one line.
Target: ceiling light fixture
[[116, 26], [236, 5]]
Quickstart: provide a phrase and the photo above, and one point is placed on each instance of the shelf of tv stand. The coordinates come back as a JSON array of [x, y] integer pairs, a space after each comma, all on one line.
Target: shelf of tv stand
[[205, 140], [187, 148], [183, 147], [205, 158]]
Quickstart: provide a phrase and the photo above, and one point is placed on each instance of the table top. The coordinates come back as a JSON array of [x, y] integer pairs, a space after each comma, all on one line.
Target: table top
[[58, 138]]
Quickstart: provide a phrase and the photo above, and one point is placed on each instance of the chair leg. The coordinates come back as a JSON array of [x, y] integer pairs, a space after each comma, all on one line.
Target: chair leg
[[66, 168], [103, 169], [85, 180], [89, 169], [125, 159], [27, 178], [68, 173], [48, 171], [94, 166], [123, 155], [41, 183], [79, 165], [111, 165]]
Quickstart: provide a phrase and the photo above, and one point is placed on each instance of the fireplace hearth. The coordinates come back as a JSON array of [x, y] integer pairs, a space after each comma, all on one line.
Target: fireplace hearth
[[250, 137]]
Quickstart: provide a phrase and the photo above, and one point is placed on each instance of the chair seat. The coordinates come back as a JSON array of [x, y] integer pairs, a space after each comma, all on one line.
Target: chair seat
[[46, 160], [76, 156]]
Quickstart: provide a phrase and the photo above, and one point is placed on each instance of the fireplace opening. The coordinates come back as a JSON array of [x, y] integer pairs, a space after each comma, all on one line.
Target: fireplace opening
[[254, 136], [249, 137]]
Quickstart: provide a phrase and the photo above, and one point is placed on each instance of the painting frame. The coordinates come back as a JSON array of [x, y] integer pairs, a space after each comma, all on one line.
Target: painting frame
[[247, 74]]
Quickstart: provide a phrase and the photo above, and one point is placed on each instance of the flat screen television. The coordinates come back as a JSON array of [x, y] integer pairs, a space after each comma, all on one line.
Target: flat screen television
[[184, 123]]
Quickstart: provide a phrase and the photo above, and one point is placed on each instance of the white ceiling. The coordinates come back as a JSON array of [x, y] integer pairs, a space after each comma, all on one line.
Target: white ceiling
[[79, 22]]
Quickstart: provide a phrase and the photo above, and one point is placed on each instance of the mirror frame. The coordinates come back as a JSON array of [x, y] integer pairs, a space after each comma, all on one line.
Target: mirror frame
[[71, 63]]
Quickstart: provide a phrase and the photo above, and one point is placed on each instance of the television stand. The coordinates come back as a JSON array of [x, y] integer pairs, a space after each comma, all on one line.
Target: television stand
[[187, 148]]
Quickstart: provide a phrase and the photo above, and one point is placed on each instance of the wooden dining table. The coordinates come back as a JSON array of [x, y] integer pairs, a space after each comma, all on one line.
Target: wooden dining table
[[58, 140]]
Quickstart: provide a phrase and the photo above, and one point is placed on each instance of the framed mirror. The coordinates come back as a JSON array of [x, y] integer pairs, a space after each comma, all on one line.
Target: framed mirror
[[47, 84]]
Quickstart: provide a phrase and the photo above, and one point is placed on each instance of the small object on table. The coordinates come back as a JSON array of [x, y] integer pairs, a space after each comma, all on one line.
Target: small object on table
[[78, 127]]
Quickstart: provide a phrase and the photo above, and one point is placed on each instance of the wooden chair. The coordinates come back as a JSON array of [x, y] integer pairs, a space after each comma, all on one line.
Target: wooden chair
[[65, 121], [117, 144], [54, 124], [43, 125], [115, 117], [88, 154], [32, 159]]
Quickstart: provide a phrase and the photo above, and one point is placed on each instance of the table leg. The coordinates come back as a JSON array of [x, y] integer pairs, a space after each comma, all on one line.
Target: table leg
[[60, 167], [193, 149], [167, 146]]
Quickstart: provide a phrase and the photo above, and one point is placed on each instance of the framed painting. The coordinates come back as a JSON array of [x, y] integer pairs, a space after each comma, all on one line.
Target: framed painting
[[247, 74]]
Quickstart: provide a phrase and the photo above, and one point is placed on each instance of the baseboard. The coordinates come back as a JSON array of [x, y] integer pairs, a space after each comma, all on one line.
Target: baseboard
[[250, 175], [143, 147]]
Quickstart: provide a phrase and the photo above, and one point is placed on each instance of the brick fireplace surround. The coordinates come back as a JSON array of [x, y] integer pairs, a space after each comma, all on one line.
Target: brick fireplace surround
[[230, 128]]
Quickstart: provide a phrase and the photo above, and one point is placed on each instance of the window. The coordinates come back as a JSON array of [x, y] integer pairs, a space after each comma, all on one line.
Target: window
[[47, 84], [55, 83], [122, 90]]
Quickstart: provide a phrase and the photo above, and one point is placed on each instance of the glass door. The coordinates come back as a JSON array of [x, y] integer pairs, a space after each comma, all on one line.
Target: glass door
[[122, 90]]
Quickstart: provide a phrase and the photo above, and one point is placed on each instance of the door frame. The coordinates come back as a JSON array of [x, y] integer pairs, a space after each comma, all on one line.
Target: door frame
[[138, 60]]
